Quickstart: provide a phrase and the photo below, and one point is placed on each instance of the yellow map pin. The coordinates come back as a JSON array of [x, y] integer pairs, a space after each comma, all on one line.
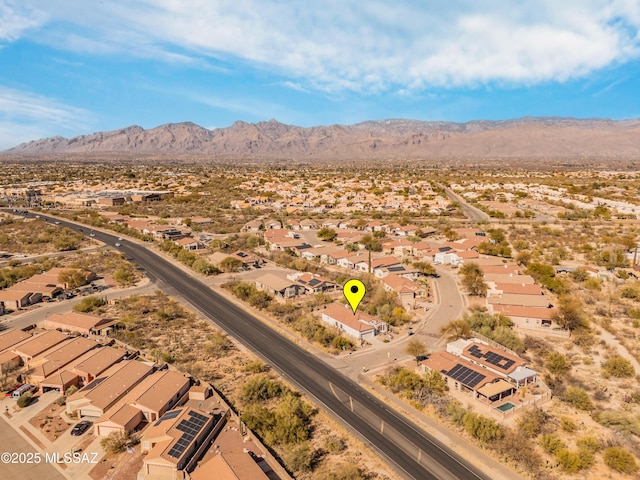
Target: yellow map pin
[[354, 291]]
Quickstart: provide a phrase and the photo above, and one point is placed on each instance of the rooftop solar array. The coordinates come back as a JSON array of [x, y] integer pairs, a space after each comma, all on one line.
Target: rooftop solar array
[[95, 383], [492, 358], [465, 375], [396, 269], [168, 416], [190, 429], [314, 281]]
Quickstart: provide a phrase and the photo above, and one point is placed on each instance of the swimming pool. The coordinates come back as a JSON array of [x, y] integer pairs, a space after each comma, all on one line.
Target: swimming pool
[[505, 406]]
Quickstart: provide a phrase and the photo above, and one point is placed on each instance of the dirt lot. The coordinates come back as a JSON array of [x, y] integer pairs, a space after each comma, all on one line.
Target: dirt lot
[[50, 422]]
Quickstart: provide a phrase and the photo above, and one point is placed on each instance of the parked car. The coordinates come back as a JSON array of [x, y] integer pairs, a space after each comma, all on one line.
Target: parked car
[[18, 392], [80, 428], [118, 244], [13, 389]]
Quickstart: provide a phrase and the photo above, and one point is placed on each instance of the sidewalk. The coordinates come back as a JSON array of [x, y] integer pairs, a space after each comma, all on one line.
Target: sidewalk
[[18, 420]]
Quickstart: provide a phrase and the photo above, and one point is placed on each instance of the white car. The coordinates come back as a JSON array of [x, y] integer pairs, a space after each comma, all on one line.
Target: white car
[[119, 239], [92, 234], [57, 222], [118, 244]]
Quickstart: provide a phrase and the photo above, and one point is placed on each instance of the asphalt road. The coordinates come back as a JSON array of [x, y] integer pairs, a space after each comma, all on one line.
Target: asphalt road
[[473, 213], [411, 451]]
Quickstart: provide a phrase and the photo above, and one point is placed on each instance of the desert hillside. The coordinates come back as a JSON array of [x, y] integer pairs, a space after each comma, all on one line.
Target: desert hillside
[[547, 138]]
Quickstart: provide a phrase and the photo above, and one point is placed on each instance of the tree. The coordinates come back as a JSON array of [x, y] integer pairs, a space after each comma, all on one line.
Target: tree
[[456, 329], [351, 247], [124, 275], [116, 442], [416, 349], [570, 314], [557, 362], [327, 234], [230, 264], [481, 428], [473, 280], [73, 278], [577, 397], [425, 268], [532, 421], [89, 304], [371, 243], [25, 399], [618, 367]]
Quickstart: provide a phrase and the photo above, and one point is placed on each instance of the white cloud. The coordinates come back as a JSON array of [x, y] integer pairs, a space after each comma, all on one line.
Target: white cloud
[[365, 46], [16, 19], [25, 116]]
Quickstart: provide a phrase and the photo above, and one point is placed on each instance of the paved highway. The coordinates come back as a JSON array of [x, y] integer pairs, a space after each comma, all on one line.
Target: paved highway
[[473, 213], [411, 451]]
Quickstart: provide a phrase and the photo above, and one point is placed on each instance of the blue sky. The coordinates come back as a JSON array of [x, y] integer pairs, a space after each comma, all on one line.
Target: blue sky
[[71, 67]]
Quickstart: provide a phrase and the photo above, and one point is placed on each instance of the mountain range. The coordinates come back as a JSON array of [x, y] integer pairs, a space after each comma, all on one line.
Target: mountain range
[[527, 138]]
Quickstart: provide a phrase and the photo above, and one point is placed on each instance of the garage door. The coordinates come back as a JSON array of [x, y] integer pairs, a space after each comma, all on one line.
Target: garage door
[[103, 430]]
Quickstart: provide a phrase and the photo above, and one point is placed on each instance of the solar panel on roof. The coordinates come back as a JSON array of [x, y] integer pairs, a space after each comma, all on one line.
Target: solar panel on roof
[[314, 282], [198, 416], [168, 416], [190, 429], [465, 375], [492, 358], [475, 351], [395, 269]]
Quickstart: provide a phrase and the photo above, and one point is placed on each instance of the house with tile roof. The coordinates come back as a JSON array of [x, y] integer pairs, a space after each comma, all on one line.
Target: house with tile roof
[[360, 325]]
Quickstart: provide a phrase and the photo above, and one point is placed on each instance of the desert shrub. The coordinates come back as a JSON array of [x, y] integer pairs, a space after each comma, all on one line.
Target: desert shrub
[[255, 367], [61, 400], [532, 421], [89, 304], [618, 367], [341, 343], [261, 388], [517, 448], [568, 425], [341, 471], [618, 421], [578, 398], [260, 299], [620, 460], [301, 458], [288, 424], [481, 428], [71, 390], [334, 444], [551, 443], [125, 275], [25, 399], [557, 363], [630, 290], [116, 442], [574, 461], [588, 442], [218, 344], [456, 412]]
